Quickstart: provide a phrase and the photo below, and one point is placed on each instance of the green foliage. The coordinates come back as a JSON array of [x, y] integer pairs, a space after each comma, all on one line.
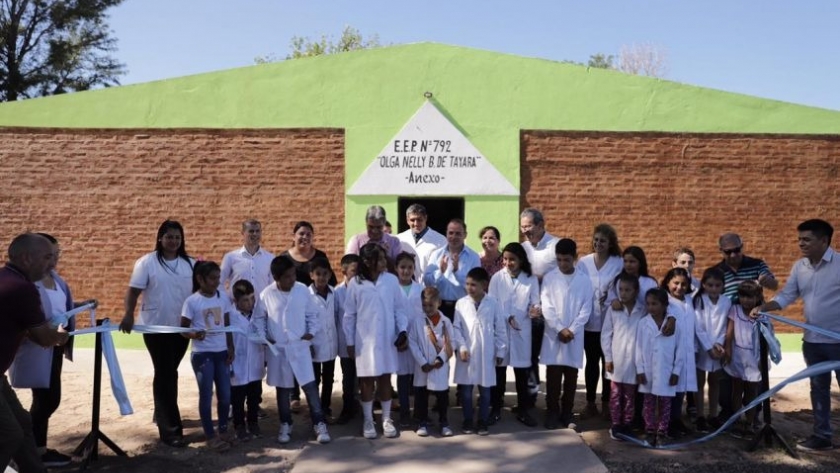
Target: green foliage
[[55, 46], [351, 40], [601, 61]]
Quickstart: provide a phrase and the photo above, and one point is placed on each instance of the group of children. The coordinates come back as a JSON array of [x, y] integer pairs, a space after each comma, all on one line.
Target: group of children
[[669, 342], [660, 342]]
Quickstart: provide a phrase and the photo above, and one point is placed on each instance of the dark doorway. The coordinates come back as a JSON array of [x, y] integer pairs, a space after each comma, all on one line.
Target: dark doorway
[[440, 209]]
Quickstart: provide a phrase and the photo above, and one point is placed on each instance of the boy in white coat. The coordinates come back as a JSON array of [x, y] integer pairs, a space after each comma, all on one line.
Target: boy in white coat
[[430, 341], [567, 299], [481, 337], [291, 322], [325, 343], [248, 368]]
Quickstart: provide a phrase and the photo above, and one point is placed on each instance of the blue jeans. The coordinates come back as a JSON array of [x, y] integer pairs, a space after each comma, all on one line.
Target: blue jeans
[[821, 385], [484, 394], [210, 368], [284, 399]]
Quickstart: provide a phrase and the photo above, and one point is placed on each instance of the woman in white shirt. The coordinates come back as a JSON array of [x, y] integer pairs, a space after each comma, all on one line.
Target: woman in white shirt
[[164, 277]]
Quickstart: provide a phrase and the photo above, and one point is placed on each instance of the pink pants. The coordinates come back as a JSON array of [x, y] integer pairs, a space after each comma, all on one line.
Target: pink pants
[[622, 403], [652, 402]]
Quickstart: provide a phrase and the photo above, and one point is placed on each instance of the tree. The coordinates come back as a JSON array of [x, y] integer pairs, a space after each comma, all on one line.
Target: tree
[[645, 59], [351, 40], [55, 46], [601, 61]]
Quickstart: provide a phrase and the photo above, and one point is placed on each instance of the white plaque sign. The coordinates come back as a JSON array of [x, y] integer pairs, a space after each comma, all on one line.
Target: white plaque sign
[[429, 156]]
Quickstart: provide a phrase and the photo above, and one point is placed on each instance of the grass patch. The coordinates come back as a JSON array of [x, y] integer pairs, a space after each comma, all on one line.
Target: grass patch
[[123, 341]]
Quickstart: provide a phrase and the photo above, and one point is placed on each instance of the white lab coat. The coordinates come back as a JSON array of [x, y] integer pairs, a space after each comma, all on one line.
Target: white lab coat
[[618, 341], [517, 296], [413, 310], [288, 317], [657, 357], [423, 248], [424, 351], [565, 304], [601, 280], [683, 310], [646, 283], [249, 357], [340, 294], [325, 342], [480, 332], [374, 315], [712, 319]]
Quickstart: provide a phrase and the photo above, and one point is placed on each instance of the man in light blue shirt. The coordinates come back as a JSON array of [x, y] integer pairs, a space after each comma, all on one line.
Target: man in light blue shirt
[[448, 267], [816, 279]]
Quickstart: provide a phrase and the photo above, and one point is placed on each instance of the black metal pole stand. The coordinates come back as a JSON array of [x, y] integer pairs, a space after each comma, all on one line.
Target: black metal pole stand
[[768, 433], [89, 448]]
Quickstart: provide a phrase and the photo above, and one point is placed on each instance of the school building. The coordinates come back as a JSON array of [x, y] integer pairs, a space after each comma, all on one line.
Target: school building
[[470, 133]]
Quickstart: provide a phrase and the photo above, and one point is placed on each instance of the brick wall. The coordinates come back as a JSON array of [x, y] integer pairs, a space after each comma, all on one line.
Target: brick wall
[[661, 191], [103, 194]]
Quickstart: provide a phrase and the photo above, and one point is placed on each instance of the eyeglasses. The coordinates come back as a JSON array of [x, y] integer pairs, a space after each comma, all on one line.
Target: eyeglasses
[[733, 251]]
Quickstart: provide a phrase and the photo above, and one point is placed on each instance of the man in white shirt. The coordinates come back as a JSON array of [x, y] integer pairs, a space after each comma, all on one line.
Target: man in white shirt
[[420, 237], [539, 245], [816, 279], [448, 267], [251, 262]]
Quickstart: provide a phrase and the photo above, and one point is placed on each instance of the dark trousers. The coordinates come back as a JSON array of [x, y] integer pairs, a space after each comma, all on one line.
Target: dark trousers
[[245, 395], [325, 377], [404, 382], [537, 331], [348, 385], [421, 405], [16, 442], [447, 308], [167, 350], [560, 387], [595, 367], [523, 398], [676, 407], [45, 401]]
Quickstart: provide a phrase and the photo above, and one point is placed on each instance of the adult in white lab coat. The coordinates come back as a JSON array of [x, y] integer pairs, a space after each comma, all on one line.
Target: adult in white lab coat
[[566, 297], [291, 324], [602, 266], [375, 325], [482, 341], [420, 237], [518, 290]]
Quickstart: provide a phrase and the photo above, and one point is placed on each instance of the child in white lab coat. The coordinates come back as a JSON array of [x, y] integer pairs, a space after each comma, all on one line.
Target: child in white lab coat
[[618, 341], [481, 336], [406, 364], [658, 365], [711, 311], [325, 343], [431, 345], [248, 368]]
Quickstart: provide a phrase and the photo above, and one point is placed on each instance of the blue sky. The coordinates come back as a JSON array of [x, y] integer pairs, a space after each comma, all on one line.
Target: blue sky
[[784, 50]]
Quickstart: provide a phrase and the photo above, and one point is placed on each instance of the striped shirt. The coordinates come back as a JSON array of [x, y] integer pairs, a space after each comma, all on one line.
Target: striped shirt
[[750, 270]]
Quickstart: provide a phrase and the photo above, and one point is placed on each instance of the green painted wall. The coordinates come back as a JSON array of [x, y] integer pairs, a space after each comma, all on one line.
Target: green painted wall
[[371, 94]]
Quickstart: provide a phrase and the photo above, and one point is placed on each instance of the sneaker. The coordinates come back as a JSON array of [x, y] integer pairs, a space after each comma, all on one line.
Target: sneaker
[[482, 429], [527, 420], [445, 431], [261, 413], [591, 411], [815, 443], [369, 429], [495, 416], [406, 422], [285, 435], [228, 437], [701, 425], [422, 431], [614, 431], [552, 420], [254, 430], [571, 426], [54, 459], [389, 430], [218, 445], [243, 435], [321, 434], [467, 427], [295, 405]]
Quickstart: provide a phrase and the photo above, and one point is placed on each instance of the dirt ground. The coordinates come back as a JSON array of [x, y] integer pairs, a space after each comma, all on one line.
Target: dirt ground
[[138, 436]]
